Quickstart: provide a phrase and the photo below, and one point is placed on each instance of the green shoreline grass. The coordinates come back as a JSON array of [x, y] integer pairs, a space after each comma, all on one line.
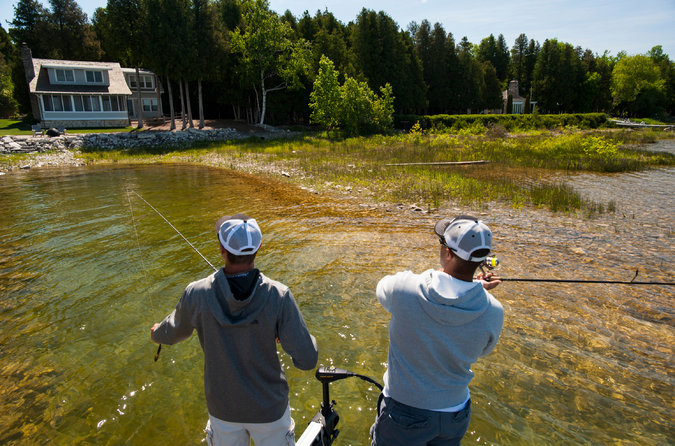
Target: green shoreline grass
[[13, 127], [519, 169]]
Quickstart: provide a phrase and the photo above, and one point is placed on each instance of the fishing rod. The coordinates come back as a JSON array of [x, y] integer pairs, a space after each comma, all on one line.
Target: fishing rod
[[492, 262], [159, 349]]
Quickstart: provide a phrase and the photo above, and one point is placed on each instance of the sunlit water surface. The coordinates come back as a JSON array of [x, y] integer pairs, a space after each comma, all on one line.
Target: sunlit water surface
[[86, 268]]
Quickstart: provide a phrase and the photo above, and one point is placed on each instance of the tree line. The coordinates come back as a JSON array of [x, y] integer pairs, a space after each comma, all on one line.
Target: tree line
[[239, 59]]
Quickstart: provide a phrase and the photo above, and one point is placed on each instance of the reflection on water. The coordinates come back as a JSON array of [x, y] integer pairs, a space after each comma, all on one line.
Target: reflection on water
[[82, 281]]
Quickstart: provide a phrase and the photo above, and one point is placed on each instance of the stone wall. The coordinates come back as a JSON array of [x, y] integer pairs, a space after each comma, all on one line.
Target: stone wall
[[88, 123], [28, 144]]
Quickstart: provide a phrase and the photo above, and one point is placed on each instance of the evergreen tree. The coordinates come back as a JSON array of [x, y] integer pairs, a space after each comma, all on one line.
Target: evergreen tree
[[8, 105], [71, 35], [386, 55], [422, 39], [531, 57], [490, 88], [30, 25], [207, 39], [503, 59], [518, 66], [496, 52], [469, 79], [556, 77], [121, 25]]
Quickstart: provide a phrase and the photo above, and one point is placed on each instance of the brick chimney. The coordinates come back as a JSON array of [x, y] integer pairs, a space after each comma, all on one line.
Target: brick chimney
[[27, 58], [513, 89], [29, 70]]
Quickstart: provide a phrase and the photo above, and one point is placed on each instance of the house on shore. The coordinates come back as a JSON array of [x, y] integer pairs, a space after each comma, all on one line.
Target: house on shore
[[517, 101], [71, 94], [151, 93]]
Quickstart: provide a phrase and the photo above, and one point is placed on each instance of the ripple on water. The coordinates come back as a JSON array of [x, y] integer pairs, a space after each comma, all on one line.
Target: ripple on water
[[82, 281]]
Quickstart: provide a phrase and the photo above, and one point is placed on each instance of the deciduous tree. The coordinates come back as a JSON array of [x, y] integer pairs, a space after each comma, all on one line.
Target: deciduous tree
[[353, 106], [637, 86], [273, 60]]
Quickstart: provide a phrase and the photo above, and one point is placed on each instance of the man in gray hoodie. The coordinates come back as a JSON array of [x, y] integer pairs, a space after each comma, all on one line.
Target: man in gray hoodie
[[239, 315], [441, 322]]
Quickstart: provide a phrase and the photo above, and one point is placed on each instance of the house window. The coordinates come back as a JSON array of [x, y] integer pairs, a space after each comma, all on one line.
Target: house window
[[57, 103], [94, 77], [106, 103], [47, 101], [146, 82], [64, 76], [149, 105], [67, 103], [95, 103], [78, 103], [90, 103]]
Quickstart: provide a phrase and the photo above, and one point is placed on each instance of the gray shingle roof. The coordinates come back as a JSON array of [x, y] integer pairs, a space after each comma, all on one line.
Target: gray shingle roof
[[40, 83]]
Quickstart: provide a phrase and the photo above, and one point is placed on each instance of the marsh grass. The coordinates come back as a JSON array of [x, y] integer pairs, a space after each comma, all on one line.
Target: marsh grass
[[519, 169]]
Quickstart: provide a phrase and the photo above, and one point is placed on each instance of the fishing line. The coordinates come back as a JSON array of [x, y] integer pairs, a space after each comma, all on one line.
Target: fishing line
[[159, 349], [177, 231], [138, 242]]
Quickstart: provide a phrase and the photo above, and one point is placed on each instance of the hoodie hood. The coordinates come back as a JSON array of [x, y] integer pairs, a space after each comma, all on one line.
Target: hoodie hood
[[230, 311], [451, 301]]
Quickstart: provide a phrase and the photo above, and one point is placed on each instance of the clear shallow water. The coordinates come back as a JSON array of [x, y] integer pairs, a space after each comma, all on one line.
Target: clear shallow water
[[86, 268]]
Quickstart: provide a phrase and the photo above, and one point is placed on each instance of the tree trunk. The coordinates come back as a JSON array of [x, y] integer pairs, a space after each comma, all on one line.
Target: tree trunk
[[188, 104], [173, 116], [201, 105], [182, 105], [264, 98], [159, 99], [139, 102]]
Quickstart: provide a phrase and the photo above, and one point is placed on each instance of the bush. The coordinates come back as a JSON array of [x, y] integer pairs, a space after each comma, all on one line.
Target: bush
[[456, 123]]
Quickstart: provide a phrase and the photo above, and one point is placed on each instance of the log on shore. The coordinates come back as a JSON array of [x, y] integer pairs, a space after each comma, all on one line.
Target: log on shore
[[440, 163]]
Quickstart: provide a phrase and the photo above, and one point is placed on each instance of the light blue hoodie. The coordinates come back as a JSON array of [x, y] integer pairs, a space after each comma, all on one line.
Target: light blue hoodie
[[439, 326]]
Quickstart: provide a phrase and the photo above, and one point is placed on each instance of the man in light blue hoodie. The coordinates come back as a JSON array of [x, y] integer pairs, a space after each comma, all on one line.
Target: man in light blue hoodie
[[239, 315], [441, 322]]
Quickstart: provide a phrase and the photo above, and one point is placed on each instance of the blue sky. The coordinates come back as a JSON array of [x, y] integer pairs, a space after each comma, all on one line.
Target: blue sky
[[599, 25]]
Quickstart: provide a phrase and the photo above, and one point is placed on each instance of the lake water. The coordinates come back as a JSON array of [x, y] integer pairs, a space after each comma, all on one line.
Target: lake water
[[86, 268]]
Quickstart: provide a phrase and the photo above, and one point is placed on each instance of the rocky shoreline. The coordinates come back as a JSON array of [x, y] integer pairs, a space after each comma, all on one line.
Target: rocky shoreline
[[62, 150]]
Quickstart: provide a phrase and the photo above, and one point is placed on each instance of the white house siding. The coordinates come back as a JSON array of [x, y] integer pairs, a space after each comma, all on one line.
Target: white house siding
[[59, 110]]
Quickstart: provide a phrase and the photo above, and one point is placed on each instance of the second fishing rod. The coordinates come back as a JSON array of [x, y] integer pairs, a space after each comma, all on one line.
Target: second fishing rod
[[491, 263]]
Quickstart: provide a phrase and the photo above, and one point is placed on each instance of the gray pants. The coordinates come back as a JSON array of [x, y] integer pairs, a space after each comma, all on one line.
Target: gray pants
[[398, 424]]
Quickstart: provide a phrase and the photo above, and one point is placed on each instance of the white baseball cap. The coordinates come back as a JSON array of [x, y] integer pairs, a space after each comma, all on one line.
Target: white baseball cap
[[465, 235], [239, 234]]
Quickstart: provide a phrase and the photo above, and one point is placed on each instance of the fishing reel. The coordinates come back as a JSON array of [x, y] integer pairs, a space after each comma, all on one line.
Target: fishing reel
[[490, 262]]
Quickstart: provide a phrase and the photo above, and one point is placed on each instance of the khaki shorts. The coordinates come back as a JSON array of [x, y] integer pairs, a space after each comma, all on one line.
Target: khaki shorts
[[276, 433]]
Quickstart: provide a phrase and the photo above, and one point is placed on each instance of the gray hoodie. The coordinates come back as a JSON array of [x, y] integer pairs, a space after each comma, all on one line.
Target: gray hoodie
[[243, 378], [439, 326]]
